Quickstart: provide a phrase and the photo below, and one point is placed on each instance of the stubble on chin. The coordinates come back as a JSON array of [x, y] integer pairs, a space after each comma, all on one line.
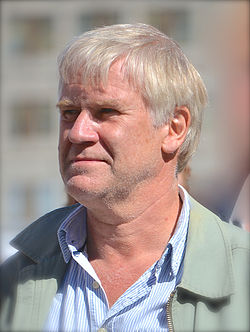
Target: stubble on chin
[[111, 189]]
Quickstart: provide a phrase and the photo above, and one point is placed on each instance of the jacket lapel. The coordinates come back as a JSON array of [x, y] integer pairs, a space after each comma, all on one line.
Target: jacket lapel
[[208, 269], [37, 286], [208, 274], [39, 279]]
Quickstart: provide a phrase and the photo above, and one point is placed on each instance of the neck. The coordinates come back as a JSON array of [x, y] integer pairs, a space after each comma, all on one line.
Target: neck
[[140, 225]]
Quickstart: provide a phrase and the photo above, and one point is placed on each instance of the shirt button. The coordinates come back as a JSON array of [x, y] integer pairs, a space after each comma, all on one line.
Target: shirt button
[[102, 329], [96, 286]]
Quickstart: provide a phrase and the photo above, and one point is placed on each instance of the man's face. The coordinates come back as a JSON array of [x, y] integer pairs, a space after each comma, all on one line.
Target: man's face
[[108, 144]]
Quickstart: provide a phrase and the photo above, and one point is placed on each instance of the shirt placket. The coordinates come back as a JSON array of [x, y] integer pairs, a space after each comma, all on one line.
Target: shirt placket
[[134, 293], [96, 295]]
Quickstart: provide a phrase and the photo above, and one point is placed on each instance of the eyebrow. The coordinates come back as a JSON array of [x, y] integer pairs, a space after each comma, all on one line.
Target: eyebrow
[[106, 102], [65, 102]]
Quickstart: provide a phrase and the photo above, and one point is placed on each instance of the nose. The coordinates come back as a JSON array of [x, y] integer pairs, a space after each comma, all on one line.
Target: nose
[[83, 130]]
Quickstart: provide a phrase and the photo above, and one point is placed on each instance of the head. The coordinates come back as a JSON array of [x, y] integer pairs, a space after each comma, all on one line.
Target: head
[[153, 64]]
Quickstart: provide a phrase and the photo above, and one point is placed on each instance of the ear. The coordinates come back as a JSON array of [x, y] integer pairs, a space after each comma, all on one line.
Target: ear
[[176, 130]]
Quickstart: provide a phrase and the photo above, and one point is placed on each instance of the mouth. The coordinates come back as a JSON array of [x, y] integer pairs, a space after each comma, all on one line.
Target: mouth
[[86, 160]]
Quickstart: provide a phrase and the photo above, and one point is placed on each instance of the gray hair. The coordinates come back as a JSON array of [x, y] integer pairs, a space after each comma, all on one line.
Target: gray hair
[[153, 63]]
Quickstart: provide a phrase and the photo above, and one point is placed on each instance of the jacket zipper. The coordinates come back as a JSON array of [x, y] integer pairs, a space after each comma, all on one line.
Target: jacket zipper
[[169, 314]]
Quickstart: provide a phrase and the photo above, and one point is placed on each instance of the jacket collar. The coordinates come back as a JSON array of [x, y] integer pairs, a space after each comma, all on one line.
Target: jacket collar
[[208, 268], [207, 264], [36, 242]]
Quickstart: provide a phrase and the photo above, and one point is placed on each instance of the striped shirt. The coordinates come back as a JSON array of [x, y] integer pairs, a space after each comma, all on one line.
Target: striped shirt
[[81, 303]]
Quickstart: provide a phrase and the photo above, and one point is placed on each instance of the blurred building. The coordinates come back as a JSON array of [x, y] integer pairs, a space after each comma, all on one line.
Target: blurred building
[[33, 33]]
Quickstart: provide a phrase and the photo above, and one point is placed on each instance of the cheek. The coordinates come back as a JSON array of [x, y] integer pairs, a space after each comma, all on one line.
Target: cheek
[[63, 143], [121, 134], [131, 141], [64, 132]]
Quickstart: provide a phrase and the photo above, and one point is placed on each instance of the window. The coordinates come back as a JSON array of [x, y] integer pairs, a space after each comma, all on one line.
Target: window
[[30, 35], [91, 21], [173, 23], [30, 118], [29, 200]]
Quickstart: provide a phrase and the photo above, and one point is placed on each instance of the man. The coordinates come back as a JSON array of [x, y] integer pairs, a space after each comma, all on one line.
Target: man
[[137, 253]]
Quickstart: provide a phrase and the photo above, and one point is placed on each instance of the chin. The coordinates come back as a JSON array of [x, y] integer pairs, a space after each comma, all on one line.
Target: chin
[[83, 189]]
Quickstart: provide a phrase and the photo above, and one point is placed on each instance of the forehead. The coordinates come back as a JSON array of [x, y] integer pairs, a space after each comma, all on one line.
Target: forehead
[[117, 88]]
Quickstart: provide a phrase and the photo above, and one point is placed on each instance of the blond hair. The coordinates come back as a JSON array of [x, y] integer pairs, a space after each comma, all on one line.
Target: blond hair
[[153, 63]]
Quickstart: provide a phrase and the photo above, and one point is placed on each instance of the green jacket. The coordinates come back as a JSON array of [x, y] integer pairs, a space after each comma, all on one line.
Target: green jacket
[[212, 296]]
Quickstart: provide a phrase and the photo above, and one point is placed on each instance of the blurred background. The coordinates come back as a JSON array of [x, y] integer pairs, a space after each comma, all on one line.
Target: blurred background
[[213, 34]]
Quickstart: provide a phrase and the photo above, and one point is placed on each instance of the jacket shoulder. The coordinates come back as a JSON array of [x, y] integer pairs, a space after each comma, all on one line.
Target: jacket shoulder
[[236, 236], [43, 230], [239, 239], [36, 243]]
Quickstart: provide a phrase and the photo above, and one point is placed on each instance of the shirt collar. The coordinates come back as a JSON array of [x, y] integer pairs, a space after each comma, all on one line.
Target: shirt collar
[[178, 240], [177, 244], [72, 233]]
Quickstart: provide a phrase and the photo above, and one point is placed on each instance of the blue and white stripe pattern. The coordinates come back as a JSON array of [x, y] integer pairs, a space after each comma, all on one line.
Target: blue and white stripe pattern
[[81, 303]]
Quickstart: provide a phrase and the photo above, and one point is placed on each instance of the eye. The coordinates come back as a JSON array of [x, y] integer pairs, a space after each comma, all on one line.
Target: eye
[[69, 115], [107, 110]]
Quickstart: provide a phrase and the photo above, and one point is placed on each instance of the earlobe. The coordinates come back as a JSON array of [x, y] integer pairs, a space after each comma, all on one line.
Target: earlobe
[[177, 129]]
